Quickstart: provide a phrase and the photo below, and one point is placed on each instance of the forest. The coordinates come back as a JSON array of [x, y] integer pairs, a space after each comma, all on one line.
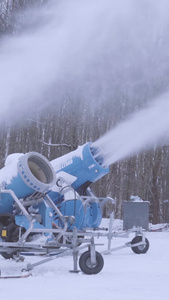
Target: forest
[[105, 83]]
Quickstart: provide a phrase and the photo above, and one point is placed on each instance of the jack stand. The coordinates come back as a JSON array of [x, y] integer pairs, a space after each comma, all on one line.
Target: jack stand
[[75, 252], [109, 236], [75, 259], [92, 252]]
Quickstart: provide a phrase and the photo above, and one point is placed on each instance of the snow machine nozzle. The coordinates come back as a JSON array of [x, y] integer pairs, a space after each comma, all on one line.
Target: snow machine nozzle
[[82, 164], [34, 173]]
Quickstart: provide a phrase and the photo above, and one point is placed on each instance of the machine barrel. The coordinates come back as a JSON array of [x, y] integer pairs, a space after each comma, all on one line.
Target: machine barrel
[[34, 173]]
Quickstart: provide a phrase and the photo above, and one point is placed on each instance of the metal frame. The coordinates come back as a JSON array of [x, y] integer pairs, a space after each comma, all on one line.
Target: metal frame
[[55, 249], [137, 230]]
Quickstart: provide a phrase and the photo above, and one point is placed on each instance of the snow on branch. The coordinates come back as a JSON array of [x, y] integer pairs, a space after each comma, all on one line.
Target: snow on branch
[[55, 145]]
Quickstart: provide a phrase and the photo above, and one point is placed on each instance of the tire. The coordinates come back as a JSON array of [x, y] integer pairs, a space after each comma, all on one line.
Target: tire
[[8, 255], [7, 221], [142, 249], [86, 266]]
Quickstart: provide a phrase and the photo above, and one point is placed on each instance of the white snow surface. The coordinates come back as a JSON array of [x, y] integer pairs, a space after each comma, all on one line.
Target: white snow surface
[[125, 275]]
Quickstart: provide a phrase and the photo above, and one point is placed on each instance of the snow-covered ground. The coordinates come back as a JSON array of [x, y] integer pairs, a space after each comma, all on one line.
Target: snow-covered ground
[[125, 275]]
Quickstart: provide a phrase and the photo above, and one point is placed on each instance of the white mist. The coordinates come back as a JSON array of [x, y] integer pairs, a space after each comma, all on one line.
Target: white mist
[[143, 130], [85, 46]]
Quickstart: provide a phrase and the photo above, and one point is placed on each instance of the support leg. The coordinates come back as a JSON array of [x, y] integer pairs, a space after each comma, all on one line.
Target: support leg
[[75, 252]]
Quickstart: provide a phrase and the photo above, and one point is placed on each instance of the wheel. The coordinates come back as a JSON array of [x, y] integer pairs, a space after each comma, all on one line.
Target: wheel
[[87, 267], [8, 255], [7, 223], [142, 248]]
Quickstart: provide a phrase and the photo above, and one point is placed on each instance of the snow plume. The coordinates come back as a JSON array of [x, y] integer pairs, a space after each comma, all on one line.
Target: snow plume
[[85, 47], [144, 129]]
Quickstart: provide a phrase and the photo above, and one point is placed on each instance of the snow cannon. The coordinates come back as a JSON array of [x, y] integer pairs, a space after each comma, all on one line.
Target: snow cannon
[[79, 169], [25, 174], [75, 172]]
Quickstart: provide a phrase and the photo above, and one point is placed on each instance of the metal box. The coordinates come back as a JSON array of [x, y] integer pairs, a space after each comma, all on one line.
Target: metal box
[[135, 214]]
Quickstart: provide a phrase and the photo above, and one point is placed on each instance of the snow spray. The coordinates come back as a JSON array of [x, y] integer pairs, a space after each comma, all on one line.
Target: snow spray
[[82, 48], [144, 129]]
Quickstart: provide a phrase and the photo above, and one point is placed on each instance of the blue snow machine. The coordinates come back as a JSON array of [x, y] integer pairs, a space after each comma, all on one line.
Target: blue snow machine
[[48, 208]]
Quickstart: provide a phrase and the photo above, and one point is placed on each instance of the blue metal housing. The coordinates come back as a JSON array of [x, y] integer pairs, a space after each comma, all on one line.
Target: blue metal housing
[[77, 170], [81, 164], [34, 174], [80, 169]]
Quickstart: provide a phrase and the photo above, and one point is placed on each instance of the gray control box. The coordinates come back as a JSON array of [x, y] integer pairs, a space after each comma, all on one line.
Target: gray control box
[[135, 214]]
